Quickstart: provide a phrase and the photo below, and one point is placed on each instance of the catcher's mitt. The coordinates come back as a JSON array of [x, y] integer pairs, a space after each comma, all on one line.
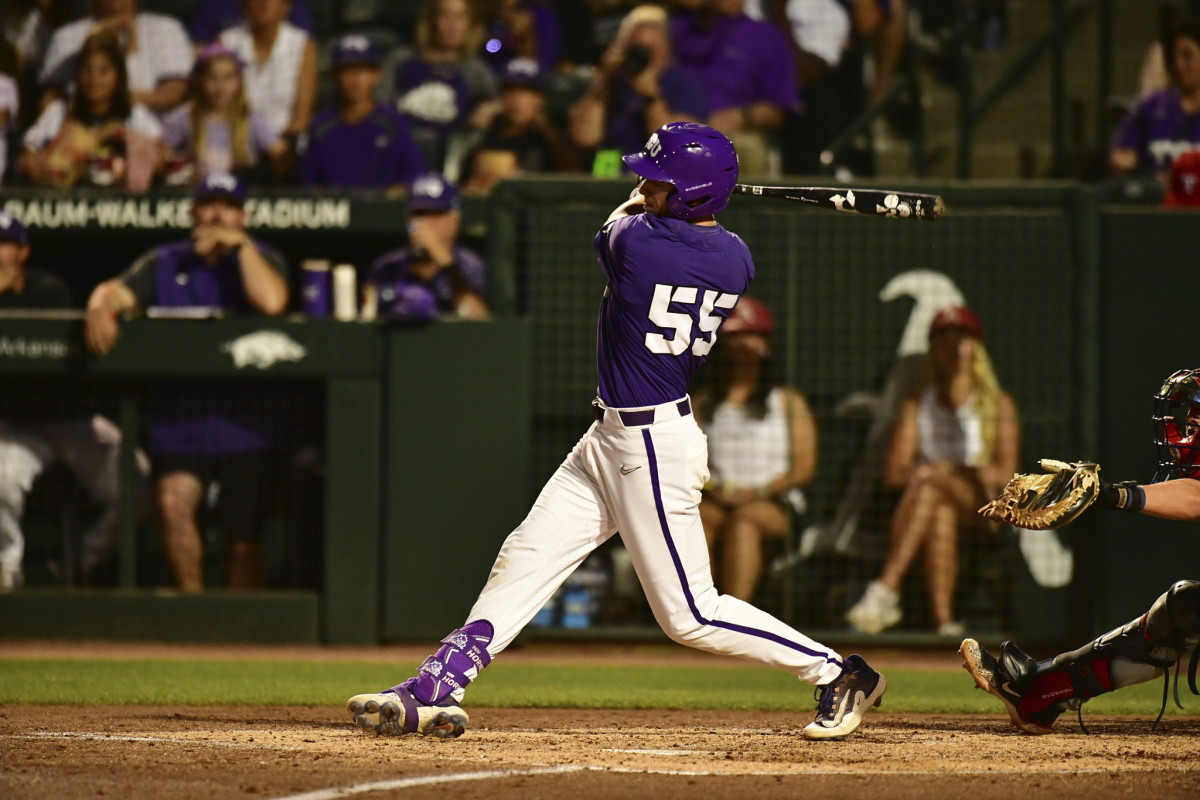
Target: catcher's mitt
[[1041, 502]]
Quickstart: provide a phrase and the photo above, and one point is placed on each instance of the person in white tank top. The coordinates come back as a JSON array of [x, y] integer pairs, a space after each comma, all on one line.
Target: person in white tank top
[[280, 69], [955, 444], [762, 446]]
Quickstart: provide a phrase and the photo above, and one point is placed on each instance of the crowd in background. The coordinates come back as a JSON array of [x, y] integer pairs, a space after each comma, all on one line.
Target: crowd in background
[[349, 94], [122, 92]]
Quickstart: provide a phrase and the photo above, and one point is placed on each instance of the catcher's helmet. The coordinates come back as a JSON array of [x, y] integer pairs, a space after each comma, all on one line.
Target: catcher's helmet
[[750, 316], [1177, 426], [697, 160]]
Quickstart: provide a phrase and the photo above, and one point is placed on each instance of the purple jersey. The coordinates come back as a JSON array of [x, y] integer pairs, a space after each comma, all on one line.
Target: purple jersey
[[374, 154], [402, 296], [739, 60], [670, 285], [201, 418], [1159, 130]]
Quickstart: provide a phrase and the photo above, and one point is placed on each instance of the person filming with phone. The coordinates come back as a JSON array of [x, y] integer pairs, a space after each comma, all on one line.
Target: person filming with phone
[[636, 89]]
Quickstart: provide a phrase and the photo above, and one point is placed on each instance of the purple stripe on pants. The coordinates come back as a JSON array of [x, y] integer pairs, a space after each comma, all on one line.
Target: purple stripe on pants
[[687, 590]]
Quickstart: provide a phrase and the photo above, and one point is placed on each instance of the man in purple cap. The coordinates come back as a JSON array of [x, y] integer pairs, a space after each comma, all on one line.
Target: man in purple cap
[[210, 432], [433, 275], [36, 431], [360, 143], [674, 275], [521, 138]]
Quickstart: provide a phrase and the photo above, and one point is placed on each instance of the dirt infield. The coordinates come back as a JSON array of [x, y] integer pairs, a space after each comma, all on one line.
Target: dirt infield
[[186, 753]]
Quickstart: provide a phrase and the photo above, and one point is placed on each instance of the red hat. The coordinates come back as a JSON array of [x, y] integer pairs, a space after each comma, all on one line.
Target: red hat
[[1184, 187], [958, 318], [750, 316]]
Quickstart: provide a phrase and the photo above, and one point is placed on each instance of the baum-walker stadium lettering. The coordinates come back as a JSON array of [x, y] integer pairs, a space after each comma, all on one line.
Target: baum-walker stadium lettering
[[170, 213]]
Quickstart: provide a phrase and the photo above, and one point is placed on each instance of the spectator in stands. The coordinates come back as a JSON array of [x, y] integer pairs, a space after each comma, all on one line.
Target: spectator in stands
[[762, 445], [101, 135], [522, 29], [1164, 124], [830, 40], [442, 87], [216, 131], [213, 16], [280, 65], [434, 275], [636, 89], [955, 444], [157, 52], [10, 100], [210, 432], [749, 71], [36, 432], [521, 137], [29, 24], [360, 143]]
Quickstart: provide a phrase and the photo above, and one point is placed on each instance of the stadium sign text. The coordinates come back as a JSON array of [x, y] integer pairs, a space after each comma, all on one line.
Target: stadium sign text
[[168, 213]]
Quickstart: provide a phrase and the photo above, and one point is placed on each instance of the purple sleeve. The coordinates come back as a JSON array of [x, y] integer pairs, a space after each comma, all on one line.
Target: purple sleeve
[[549, 36], [684, 94], [409, 163], [1130, 131], [177, 128], [777, 78], [472, 269]]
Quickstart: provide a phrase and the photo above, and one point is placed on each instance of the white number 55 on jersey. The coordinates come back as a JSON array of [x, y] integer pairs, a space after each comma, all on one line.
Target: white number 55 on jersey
[[681, 323]]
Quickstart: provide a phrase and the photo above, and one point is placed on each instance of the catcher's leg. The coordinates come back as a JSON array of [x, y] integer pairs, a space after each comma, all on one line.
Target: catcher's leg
[[1037, 692], [568, 521]]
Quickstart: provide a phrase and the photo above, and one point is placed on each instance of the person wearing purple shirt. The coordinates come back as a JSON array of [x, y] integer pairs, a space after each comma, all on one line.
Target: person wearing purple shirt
[[748, 68], [1164, 124], [441, 86], [434, 275], [214, 16], [674, 275], [359, 144], [208, 432], [636, 89]]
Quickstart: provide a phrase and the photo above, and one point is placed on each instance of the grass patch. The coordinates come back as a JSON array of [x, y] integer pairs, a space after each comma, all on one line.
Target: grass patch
[[304, 683]]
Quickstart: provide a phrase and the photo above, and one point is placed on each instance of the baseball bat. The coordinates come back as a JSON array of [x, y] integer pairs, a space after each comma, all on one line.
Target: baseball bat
[[878, 202]]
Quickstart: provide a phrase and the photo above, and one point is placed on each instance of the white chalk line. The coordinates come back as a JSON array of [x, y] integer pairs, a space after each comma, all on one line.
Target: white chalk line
[[425, 780], [112, 737]]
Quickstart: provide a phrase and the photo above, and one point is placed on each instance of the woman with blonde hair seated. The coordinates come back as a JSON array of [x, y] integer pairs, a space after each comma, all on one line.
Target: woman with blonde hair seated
[[762, 447], [955, 444], [215, 131]]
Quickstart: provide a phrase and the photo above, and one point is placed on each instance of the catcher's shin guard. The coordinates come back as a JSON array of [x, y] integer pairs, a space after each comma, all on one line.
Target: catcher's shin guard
[[1156, 640]]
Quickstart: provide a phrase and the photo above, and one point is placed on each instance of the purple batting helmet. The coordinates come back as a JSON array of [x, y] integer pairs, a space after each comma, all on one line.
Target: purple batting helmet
[[697, 160]]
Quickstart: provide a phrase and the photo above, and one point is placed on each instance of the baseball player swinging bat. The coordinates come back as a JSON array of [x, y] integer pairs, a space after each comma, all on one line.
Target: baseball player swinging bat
[[879, 202]]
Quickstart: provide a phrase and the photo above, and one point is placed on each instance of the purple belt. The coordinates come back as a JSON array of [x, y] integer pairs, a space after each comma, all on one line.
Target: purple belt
[[632, 419]]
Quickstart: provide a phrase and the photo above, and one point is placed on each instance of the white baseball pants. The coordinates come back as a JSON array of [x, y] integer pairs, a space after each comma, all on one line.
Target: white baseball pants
[[644, 481]]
